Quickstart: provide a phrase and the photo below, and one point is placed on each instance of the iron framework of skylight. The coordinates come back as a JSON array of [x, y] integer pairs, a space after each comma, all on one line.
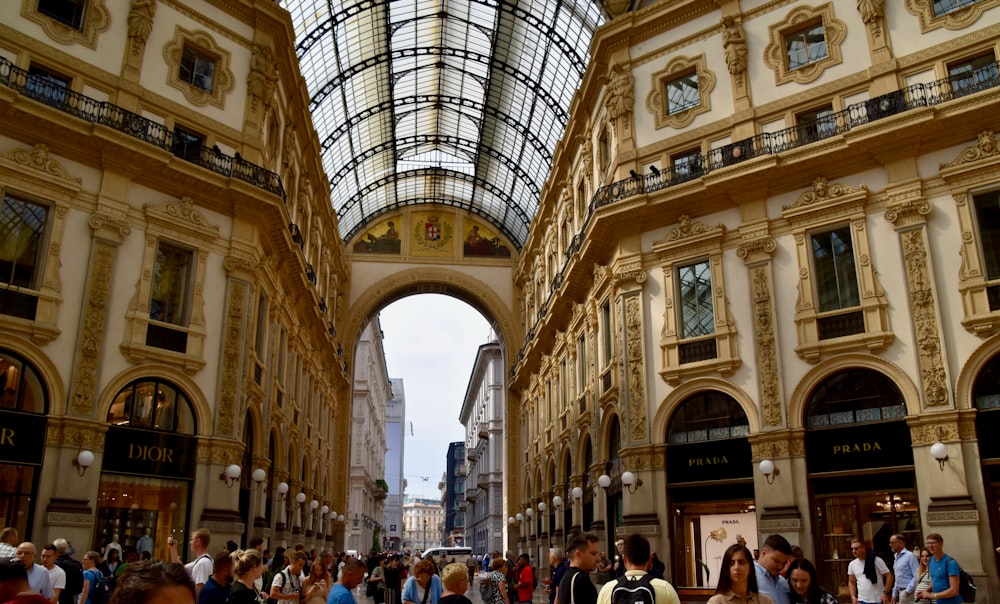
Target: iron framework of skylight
[[458, 102]]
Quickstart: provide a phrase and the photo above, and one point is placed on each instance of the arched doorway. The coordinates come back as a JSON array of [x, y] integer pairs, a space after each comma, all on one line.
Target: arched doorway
[[986, 398], [860, 469], [24, 404], [711, 491]]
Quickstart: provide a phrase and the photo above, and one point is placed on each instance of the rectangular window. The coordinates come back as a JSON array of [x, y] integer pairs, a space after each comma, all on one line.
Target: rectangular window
[[564, 382], [606, 334], [261, 337], [943, 7], [604, 150], [46, 86], [987, 207], [686, 165], [806, 45], [187, 144], [168, 298], [816, 124], [833, 263], [22, 230], [197, 68], [581, 357], [973, 75], [67, 12], [697, 314], [682, 93]]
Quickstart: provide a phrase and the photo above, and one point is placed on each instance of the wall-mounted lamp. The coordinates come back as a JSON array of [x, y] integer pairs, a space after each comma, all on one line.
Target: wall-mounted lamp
[[604, 481], [323, 510], [767, 468], [282, 489], [313, 505], [529, 512], [577, 493], [631, 482], [940, 452], [300, 498], [558, 502], [82, 461], [340, 518], [510, 520], [520, 517], [541, 506], [231, 474], [259, 476]]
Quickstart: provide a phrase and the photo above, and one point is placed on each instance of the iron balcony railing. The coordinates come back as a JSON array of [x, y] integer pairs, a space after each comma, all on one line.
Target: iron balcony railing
[[52, 93]]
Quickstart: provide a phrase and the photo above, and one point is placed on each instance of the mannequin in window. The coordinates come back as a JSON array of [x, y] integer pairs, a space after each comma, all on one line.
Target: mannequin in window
[[145, 544], [113, 544]]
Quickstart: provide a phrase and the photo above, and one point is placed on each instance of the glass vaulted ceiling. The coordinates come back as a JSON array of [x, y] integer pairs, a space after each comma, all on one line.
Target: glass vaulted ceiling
[[459, 102]]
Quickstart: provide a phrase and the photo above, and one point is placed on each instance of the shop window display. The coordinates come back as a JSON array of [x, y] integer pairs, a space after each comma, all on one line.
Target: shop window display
[[23, 409]]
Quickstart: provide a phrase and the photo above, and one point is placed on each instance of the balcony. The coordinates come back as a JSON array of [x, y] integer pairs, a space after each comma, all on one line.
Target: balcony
[[136, 126]]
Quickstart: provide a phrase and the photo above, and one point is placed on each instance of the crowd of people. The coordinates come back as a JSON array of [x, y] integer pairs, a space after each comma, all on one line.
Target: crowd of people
[[579, 574]]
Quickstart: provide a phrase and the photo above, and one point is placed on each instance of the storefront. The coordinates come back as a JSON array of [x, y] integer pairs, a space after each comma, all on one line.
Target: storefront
[[860, 468], [710, 487], [23, 410], [149, 467], [986, 398]]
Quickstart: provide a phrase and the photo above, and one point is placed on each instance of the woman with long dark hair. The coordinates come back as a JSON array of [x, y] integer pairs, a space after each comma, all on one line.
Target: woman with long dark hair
[[737, 579], [804, 586]]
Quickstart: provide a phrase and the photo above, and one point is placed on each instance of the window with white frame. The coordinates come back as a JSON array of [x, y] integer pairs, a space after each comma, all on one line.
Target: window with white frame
[[805, 45], [833, 265], [694, 284]]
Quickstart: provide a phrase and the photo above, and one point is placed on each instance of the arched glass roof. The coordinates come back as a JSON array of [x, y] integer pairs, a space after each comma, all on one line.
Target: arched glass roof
[[459, 102]]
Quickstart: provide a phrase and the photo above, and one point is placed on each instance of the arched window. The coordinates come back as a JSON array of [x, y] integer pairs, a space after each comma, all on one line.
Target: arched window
[[153, 404], [21, 387], [854, 396], [707, 416]]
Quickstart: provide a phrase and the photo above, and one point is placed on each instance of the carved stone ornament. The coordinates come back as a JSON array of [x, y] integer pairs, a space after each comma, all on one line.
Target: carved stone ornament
[[934, 382], [823, 191], [96, 18], [636, 376], [690, 229], [619, 97], [765, 339], [985, 147], [871, 10], [263, 76], [88, 354], [140, 23], [38, 159], [229, 384], [907, 208], [234, 263], [735, 44]]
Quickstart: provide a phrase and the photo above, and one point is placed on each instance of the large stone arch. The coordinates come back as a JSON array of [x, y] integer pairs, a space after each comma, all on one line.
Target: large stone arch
[[202, 411], [57, 403], [661, 420], [800, 396], [970, 371]]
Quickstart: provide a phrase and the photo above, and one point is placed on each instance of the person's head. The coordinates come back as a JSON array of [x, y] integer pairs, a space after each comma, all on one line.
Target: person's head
[[455, 578], [353, 573], [222, 567], [556, 556], [257, 543], [91, 559], [523, 560], [737, 570], [247, 563], [297, 562], [200, 539], [231, 546], [62, 546], [423, 570], [498, 564], [149, 582], [858, 548], [8, 535], [13, 579], [619, 545], [113, 555], [581, 549], [897, 543], [774, 554], [49, 556], [802, 580], [278, 561], [935, 544], [925, 559], [636, 552], [26, 554], [318, 570]]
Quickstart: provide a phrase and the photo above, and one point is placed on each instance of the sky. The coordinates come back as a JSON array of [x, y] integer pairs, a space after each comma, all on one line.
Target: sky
[[430, 342]]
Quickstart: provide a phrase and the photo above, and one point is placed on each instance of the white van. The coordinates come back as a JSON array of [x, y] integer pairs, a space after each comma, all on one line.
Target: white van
[[458, 553]]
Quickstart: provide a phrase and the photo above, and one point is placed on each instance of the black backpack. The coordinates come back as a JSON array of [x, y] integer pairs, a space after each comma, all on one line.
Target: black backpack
[[634, 591], [966, 585], [100, 590], [74, 579]]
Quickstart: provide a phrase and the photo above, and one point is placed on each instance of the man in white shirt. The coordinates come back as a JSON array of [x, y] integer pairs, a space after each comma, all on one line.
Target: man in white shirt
[[201, 568], [863, 589], [57, 576], [38, 577]]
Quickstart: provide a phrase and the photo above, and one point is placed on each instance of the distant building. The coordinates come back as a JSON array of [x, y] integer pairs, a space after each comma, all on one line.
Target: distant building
[[454, 495], [392, 514], [422, 523], [482, 415]]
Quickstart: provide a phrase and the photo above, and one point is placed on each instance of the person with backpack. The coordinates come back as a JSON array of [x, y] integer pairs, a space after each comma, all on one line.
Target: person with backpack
[[287, 585], [201, 567], [944, 571], [493, 587], [95, 585], [73, 570], [637, 586], [576, 586]]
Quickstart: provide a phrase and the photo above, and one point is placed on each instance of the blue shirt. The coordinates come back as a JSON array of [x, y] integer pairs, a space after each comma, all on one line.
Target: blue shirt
[[940, 570], [213, 593], [412, 594], [775, 588], [340, 595], [905, 569], [557, 575]]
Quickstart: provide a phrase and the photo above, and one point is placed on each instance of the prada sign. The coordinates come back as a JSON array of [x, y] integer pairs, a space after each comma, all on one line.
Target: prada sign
[[22, 437], [859, 447], [150, 453], [725, 459]]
